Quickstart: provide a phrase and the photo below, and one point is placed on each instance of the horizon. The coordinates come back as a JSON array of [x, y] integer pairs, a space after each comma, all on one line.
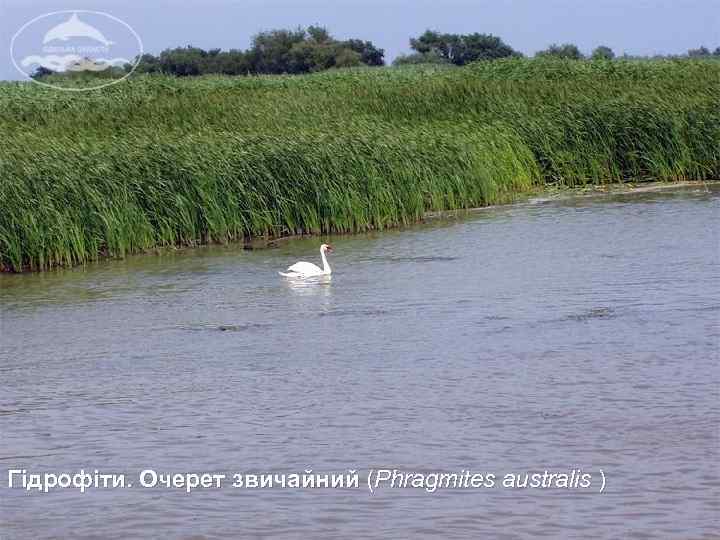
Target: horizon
[[668, 29]]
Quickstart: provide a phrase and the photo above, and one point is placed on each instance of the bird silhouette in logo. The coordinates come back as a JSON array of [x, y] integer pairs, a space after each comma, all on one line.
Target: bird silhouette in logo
[[74, 28]]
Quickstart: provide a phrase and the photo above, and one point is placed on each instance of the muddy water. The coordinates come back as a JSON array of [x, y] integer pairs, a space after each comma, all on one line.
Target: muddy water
[[562, 335]]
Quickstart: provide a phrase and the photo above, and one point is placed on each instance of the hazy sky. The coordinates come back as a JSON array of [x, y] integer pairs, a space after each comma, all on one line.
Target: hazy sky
[[632, 26]]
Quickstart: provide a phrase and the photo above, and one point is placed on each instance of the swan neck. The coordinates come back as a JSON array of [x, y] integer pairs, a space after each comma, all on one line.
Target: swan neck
[[326, 266]]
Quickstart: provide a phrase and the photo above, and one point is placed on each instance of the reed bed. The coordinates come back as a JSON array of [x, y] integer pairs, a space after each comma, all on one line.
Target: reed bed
[[156, 161]]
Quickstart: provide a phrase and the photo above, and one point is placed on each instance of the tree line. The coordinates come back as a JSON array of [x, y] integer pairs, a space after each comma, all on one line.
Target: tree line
[[312, 49], [460, 49], [302, 50]]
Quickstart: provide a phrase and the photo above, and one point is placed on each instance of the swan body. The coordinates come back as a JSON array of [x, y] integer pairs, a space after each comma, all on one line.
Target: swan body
[[305, 269]]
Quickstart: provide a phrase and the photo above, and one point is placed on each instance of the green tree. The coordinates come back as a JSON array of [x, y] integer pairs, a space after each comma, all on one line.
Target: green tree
[[270, 51], [461, 49], [370, 55], [182, 61], [147, 64], [436, 43], [346, 57], [314, 49], [473, 47], [430, 57], [566, 50], [319, 34], [275, 51], [603, 53], [232, 62], [310, 56]]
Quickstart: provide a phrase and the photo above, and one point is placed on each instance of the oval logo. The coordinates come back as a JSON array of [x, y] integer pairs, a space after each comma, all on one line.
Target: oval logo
[[76, 50]]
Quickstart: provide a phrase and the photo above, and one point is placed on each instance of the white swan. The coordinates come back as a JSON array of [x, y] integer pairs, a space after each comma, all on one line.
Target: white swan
[[306, 269]]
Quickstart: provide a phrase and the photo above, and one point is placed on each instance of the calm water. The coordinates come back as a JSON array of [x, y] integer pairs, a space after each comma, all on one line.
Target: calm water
[[555, 335]]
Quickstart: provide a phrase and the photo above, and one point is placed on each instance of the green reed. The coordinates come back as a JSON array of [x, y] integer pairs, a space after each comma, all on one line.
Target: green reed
[[156, 161]]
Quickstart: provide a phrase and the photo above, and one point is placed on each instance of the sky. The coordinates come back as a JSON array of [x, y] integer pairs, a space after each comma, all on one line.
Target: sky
[[642, 27]]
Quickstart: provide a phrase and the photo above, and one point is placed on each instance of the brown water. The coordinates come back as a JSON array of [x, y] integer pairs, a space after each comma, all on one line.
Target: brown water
[[558, 335]]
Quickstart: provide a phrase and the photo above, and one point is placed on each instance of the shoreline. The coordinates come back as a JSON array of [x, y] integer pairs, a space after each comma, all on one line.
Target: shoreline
[[561, 193], [549, 193]]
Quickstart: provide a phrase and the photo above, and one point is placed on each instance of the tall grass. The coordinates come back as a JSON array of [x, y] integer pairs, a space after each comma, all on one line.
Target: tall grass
[[156, 161]]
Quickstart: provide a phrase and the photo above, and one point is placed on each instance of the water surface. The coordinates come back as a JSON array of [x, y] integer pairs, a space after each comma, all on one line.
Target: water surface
[[554, 335]]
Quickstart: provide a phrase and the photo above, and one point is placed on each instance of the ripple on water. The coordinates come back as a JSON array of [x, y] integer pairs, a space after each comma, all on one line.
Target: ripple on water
[[566, 335]]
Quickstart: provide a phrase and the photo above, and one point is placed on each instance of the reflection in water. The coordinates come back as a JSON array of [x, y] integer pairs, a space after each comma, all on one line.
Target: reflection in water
[[316, 285], [317, 288], [557, 335]]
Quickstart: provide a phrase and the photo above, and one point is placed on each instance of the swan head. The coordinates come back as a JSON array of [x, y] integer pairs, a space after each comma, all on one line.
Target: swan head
[[326, 248]]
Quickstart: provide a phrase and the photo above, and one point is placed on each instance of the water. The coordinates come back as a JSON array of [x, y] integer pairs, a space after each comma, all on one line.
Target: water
[[565, 335]]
